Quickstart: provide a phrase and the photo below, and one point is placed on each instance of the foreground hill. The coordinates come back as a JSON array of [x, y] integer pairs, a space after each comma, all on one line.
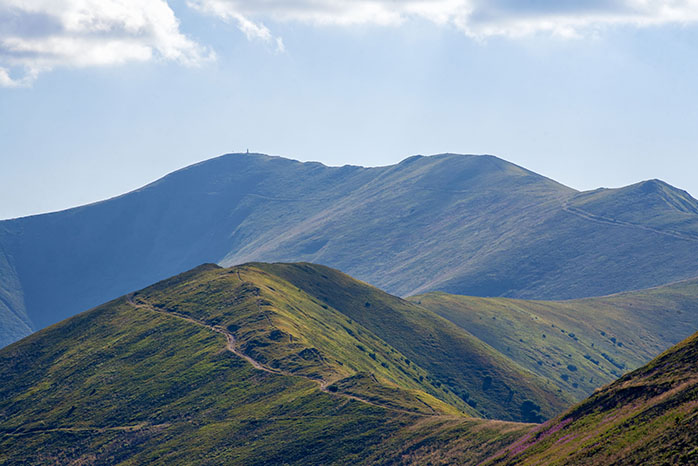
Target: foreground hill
[[245, 366], [648, 417], [472, 225], [578, 344], [457, 361]]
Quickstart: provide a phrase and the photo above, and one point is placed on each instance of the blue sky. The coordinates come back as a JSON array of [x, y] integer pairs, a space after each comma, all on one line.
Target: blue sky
[[96, 101]]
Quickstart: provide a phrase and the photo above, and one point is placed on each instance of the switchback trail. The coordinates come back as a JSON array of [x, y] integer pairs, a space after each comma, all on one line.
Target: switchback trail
[[232, 347]]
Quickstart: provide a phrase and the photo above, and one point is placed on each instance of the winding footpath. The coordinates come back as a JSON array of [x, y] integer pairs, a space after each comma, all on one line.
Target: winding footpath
[[232, 347], [621, 223]]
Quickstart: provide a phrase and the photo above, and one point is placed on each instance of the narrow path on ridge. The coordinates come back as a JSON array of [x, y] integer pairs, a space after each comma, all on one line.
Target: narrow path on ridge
[[621, 223], [232, 347]]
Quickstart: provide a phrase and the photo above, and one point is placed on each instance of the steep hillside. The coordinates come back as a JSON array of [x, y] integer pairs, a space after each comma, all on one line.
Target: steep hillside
[[578, 344], [301, 364], [472, 225], [648, 417], [289, 331], [233, 366], [14, 321], [455, 359]]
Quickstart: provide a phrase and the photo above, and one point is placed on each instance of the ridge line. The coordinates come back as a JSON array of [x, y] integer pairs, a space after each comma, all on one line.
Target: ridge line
[[231, 346]]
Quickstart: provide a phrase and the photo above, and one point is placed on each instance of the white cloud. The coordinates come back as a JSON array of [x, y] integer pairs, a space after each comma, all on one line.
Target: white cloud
[[573, 17], [228, 12], [39, 35], [477, 18]]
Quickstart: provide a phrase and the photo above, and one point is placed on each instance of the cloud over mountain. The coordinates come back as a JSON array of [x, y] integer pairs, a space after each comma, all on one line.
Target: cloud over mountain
[[40, 35]]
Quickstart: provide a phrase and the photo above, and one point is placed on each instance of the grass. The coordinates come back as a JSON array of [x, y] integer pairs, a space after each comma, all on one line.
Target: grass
[[649, 416], [348, 375], [578, 345], [284, 328], [454, 359], [122, 384]]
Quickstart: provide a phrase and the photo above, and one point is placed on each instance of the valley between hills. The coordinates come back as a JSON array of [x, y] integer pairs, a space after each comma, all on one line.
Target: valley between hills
[[469, 311], [302, 364]]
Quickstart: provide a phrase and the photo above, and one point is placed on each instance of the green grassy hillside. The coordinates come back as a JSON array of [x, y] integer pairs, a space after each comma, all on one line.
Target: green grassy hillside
[[579, 344], [648, 417], [290, 331], [454, 359], [301, 364], [234, 366], [464, 224]]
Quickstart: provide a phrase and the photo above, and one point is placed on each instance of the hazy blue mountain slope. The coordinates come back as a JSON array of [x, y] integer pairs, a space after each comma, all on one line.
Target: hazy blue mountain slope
[[472, 225], [645, 204], [592, 244], [72, 260], [14, 321], [420, 222]]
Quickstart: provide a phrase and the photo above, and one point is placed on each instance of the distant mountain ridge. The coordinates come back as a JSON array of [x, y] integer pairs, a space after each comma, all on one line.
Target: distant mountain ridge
[[474, 225]]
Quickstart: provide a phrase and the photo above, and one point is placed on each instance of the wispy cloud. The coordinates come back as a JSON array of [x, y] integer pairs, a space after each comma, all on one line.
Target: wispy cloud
[[573, 18], [40, 35], [477, 18], [229, 11]]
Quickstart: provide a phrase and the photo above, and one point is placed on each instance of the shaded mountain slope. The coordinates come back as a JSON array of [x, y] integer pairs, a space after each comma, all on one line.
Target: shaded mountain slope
[[464, 224], [221, 366], [642, 205], [14, 321], [591, 244], [578, 344], [648, 417]]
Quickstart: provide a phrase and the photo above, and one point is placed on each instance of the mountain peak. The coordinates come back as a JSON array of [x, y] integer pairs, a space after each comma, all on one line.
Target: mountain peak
[[639, 197], [472, 224]]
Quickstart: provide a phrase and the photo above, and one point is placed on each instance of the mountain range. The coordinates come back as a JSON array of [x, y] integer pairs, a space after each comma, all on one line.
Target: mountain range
[[472, 225], [302, 364]]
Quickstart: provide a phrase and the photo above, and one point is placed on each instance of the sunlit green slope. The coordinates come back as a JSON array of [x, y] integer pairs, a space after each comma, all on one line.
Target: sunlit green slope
[[455, 360], [579, 344], [648, 417], [235, 366]]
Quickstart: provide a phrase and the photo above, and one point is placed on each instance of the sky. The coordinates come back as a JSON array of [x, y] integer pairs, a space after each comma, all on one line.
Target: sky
[[99, 97]]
